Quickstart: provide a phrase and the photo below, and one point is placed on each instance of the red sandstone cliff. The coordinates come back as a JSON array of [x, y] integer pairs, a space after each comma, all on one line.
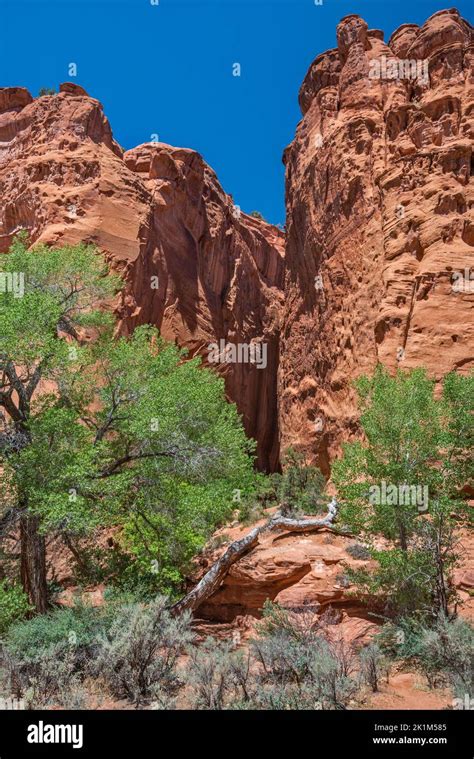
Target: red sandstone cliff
[[379, 193], [156, 212], [379, 218]]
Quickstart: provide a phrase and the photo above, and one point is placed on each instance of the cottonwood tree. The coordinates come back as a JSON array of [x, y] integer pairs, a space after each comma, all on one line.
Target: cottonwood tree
[[61, 288], [412, 440], [96, 431]]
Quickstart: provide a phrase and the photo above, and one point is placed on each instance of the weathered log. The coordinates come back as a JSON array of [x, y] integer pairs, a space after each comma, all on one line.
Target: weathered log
[[213, 578]]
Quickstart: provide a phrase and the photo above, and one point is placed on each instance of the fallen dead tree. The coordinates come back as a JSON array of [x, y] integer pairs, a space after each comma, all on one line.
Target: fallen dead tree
[[213, 578]]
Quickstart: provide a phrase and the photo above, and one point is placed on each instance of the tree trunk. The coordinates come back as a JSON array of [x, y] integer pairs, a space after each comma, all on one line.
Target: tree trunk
[[441, 590], [402, 536], [33, 562]]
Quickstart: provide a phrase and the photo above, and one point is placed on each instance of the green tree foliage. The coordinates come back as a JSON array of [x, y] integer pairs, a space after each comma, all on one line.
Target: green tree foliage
[[120, 432], [13, 605], [301, 486], [299, 490], [51, 303], [419, 448]]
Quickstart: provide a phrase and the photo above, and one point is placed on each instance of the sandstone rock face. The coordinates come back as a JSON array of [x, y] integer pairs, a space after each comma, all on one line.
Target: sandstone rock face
[[379, 219], [194, 266], [463, 576], [304, 571], [380, 233], [219, 276], [307, 572], [380, 223]]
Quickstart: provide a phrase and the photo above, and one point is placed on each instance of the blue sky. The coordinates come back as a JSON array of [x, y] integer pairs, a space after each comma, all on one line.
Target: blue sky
[[166, 69]]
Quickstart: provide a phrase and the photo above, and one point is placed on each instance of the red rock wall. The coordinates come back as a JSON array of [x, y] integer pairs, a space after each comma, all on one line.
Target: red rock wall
[[219, 277], [379, 194], [156, 211], [379, 218]]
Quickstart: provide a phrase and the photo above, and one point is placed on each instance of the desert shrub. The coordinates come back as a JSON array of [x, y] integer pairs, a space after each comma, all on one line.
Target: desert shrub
[[401, 641], [358, 551], [131, 647], [373, 665], [309, 675], [256, 215], [13, 605], [301, 664], [138, 655], [343, 579], [266, 494], [343, 653], [217, 675], [291, 665], [284, 658], [304, 697], [78, 627], [48, 678], [277, 620], [251, 511], [446, 650], [46, 659], [46, 91], [218, 541], [442, 652]]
